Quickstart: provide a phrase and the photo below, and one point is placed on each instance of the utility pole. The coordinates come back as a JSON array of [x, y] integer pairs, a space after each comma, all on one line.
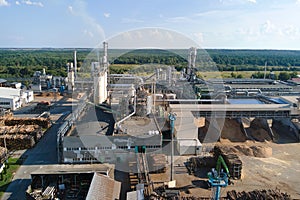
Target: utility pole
[[172, 118]]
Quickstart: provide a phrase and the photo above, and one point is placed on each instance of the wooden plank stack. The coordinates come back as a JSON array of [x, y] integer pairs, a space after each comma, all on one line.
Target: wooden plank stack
[[157, 163], [232, 160]]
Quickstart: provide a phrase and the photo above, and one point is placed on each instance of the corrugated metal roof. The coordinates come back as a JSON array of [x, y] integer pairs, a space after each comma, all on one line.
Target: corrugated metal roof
[[103, 188]]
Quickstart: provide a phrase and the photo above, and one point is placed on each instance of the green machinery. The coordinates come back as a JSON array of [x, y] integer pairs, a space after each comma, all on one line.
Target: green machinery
[[217, 178]]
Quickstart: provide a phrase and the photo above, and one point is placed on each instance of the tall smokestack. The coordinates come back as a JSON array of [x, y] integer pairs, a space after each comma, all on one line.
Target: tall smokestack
[[75, 64], [105, 46]]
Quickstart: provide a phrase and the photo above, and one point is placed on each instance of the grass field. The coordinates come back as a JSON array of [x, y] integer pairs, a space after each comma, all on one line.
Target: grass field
[[6, 178]]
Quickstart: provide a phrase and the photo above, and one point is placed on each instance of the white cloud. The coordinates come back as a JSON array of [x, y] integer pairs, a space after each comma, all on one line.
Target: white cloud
[[178, 19], [237, 1], [89, 33], [4, 3], [291, 31], [94, 29], [33, 3], [70, 9], [199, 37], [298, 2], [106, 15], [267, 27], [18, 3], [131, 20]]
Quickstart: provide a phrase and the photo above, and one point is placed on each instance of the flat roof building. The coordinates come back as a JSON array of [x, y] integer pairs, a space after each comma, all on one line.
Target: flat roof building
[[13, 99]]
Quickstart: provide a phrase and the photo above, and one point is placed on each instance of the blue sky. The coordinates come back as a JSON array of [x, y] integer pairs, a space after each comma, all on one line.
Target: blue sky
[[254, 24]]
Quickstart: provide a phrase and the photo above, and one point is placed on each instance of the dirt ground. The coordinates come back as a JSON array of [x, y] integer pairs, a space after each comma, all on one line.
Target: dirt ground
[[279, 171]]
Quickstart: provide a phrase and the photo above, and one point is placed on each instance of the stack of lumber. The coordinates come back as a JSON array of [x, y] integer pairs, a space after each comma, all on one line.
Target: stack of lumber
[[43, 122], [157, 163], [232, 160], [17, 142], [258, 195]]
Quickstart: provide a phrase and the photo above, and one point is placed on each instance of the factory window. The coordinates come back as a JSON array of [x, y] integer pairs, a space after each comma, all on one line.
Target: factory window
[[4, 103], [83, 148]]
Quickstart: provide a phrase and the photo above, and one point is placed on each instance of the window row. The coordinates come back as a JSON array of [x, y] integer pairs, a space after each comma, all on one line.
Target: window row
[[4, 103]]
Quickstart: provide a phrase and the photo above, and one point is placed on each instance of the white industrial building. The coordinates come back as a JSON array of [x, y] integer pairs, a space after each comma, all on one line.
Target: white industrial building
[[13, 99]]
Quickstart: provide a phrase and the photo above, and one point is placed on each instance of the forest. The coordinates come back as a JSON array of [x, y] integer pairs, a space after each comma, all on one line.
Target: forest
[[23, 62]]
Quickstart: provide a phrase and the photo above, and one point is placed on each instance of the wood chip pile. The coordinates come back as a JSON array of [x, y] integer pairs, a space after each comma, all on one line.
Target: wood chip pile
[[157, 163], [258, 195]]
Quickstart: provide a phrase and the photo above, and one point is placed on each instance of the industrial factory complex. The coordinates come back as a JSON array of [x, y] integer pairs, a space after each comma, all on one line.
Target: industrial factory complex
[[163, 134]]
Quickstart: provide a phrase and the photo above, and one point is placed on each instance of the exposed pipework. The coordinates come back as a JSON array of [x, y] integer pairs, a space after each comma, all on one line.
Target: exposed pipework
[[127, 117]]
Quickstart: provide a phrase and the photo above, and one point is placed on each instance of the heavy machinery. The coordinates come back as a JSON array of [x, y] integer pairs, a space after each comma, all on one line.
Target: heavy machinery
[[217, 178]]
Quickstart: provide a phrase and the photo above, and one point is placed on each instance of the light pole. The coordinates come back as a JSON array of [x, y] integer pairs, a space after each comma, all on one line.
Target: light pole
[[172, 118]]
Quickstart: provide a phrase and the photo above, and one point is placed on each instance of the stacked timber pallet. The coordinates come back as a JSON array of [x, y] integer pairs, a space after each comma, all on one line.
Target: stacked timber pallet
[[232, 160], [258, 194], [157, 163]]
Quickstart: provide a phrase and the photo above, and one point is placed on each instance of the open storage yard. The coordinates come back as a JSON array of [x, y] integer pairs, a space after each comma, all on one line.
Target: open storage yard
[[269, 169]]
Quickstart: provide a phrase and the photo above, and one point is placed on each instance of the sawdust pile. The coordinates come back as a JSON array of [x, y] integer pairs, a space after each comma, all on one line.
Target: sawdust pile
[[254, 151], [232, 131], [258, 130]]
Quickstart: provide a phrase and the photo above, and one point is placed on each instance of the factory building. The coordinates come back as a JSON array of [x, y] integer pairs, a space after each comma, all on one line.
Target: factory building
[[13, 99], [108, 149]]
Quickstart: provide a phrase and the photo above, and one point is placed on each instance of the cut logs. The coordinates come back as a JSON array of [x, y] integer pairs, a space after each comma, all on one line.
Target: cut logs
[[258, 194], [21, 133]]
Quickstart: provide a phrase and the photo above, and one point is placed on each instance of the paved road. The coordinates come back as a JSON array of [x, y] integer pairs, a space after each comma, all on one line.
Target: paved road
[[43, 154]]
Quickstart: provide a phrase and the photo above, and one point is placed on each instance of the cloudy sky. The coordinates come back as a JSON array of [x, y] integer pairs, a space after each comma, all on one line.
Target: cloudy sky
[[255, 24]]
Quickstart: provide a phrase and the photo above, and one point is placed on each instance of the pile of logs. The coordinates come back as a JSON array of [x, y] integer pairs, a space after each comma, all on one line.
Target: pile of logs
[[33, 130], [258, 195], [3, 152], [232, 160], [157, 163], [197, 163], [22, 133], [43, 122], [17, 142]]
